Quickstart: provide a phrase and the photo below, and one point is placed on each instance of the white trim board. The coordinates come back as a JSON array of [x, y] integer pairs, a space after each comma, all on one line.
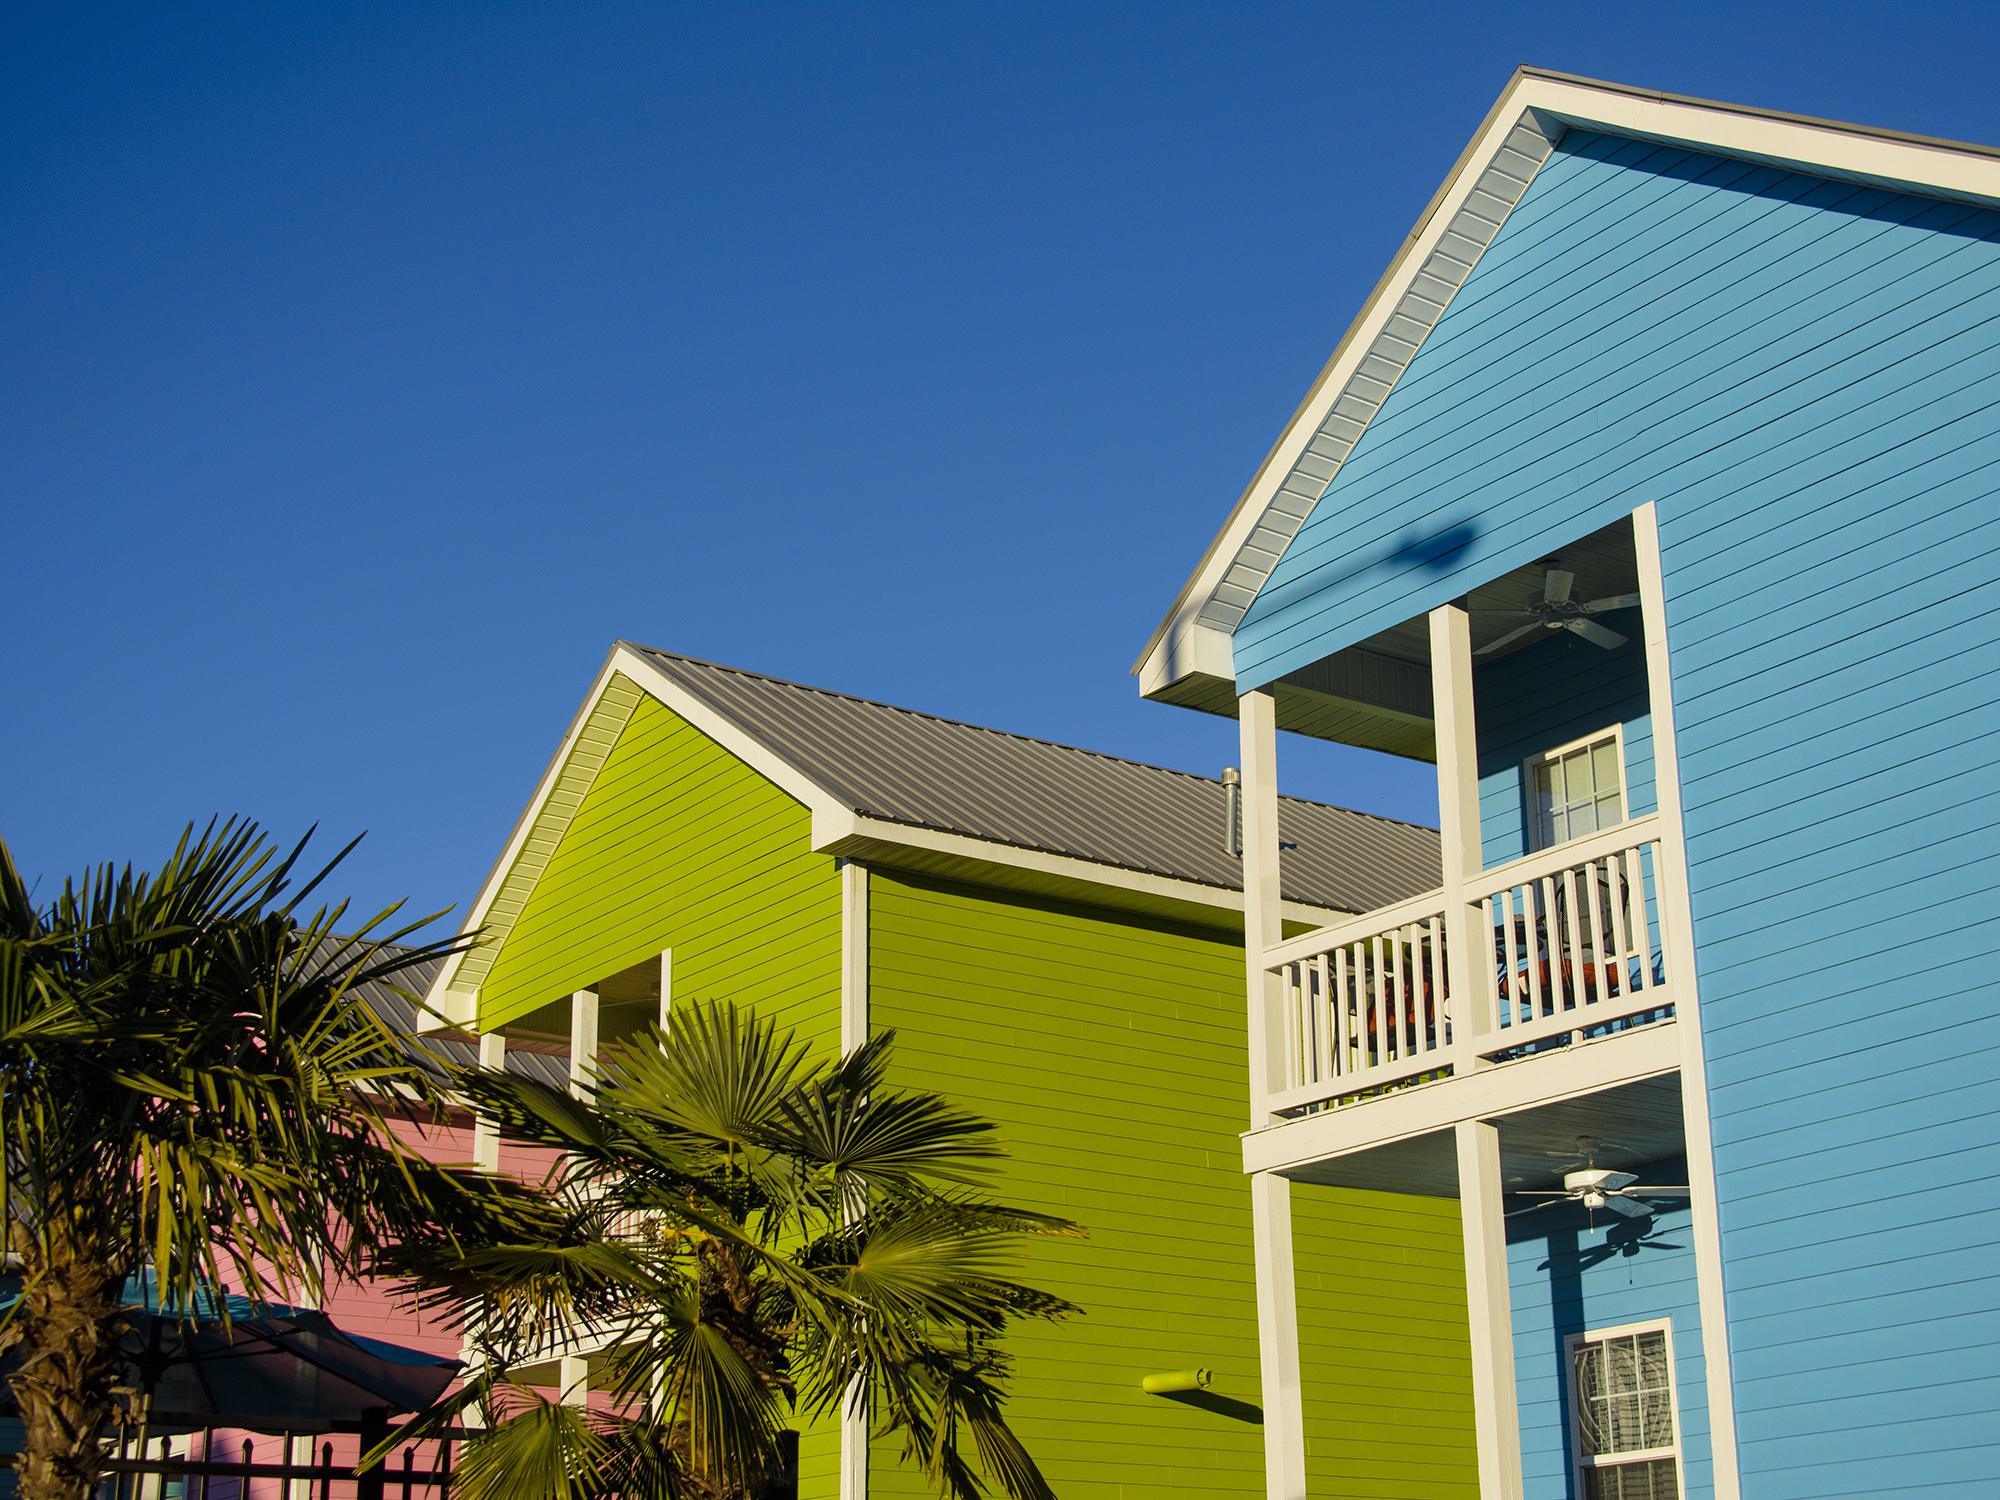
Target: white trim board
[[837, 829], [1195, 638]]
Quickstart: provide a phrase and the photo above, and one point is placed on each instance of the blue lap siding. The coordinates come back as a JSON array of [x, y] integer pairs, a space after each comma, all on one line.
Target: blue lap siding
[[1804, 374], [1570, 1276]]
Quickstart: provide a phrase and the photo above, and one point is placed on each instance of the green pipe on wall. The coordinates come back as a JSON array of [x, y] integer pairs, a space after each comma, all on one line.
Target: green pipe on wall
[[1175, 1381]]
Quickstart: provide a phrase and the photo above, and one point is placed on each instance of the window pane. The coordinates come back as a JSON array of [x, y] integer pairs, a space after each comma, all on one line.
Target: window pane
[[1576, 792], [1652, 1480], [1604, 756], [1658, 1418]]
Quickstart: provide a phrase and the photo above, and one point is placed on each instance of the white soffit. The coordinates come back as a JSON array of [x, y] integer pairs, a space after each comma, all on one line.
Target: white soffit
[[1461, 221]]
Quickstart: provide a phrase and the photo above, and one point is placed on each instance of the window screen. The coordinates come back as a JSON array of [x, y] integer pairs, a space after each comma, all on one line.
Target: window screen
[[1625, 1418]]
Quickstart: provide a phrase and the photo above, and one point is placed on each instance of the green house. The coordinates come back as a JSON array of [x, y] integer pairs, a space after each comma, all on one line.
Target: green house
[[1056, 937]]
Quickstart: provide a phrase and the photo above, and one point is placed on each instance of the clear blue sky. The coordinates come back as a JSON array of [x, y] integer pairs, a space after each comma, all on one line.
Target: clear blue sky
[[368, 369]]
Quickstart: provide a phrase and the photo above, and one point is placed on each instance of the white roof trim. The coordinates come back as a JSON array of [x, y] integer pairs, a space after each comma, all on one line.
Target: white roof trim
[[1487, 181], [835, 826]]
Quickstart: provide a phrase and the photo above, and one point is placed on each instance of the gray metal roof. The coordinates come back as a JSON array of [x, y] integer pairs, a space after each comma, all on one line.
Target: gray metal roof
[[901, 766], [401, 1015]]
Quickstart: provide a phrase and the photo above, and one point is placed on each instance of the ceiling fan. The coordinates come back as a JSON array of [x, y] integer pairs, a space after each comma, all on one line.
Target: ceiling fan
[[1556, 610], [1598, 1187]]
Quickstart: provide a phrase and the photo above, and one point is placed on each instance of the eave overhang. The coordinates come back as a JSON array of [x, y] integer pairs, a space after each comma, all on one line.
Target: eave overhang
[[1189, 659]]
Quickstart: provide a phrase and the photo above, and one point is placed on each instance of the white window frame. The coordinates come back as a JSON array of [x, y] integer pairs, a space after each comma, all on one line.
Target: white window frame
[[1579, 1461], [1537, 834]]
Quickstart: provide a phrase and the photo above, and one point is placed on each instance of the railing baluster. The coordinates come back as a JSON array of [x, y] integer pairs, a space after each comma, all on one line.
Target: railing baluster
[[1642, 918], [1536, 940], [1379, 974], [1294, 1064], [1572, 943], [1441, 996], [1614, 868], [1343, 1027], [1399, 994], [1598, 969], [1329, 1019]]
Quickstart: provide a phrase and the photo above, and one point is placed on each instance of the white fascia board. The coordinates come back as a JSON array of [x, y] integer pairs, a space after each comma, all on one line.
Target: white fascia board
[[730, 735], [1908, 163], [1172, 643], [836, 828], [1588, 1068], [1192, 649], [1182, 644], [437, 1000], [852, 831], [452, 1008]]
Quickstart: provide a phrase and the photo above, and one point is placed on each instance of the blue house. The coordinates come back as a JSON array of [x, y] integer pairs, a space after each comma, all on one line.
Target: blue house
[[1654, 494]]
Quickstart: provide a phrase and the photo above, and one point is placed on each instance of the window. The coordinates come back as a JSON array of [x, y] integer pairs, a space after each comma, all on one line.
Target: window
[[1577, 789], [1626, 1448]]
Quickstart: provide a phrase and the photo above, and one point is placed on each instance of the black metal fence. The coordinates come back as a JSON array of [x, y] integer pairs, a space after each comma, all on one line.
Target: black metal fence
[[234, 1465], [210, 1470]]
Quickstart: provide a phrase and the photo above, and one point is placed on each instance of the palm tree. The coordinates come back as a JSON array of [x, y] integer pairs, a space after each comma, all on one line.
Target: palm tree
[[757, 1236], [193, 1085]]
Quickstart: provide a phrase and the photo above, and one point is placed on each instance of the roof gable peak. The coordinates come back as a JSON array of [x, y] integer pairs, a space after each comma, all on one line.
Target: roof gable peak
[[1189, 658]]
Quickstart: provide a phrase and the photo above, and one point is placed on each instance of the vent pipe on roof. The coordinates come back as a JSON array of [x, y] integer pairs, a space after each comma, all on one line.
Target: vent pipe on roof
[[1232, 815]]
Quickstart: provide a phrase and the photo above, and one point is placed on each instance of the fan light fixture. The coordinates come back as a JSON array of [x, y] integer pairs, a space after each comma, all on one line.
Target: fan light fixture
[[1598, 1187]]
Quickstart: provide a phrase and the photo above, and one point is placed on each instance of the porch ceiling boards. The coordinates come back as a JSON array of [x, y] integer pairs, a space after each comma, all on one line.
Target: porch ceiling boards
[[1633, 1125]]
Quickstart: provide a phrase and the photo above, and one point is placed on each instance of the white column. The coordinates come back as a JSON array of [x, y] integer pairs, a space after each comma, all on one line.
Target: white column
[[1495, 1404], [1270, 1195], [1458, 817], [666, 989], [1263, 912], [1278, 1338], [853, 1032], [1677, 936], [583, 1017], [574, 1378], [853, 955], [485, 1134]]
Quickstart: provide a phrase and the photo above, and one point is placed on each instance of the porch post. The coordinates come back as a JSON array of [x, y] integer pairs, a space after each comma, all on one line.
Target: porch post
[[1495, 1404], [574, 1377], [1263, 919], [854, 1033], [1270, 1194], [1458, 817], [583, 1018], [486, 1134], [1278, 1338], [1677, 934]]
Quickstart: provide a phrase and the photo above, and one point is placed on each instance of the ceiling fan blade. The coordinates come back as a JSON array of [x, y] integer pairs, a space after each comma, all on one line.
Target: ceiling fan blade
[[1512, 614], [1556, 587], [1622, 1205], [1509, 638], [1610, 602], [1532, 1208], [1637, 1191], [1595, 633], [1540, 1193], [1616, 1182]]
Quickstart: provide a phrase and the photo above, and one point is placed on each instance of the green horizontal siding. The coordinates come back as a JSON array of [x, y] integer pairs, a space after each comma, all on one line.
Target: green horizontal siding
[[1110, 1051], [1384, 1352], [680, 845]]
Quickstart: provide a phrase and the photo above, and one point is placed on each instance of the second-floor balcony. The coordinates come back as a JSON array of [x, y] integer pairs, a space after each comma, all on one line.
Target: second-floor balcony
[[1561, 947], [1554, 955]]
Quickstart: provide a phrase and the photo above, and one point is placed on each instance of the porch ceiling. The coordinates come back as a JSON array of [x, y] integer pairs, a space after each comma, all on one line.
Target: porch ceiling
[[1377, 694], [1633, 1125]]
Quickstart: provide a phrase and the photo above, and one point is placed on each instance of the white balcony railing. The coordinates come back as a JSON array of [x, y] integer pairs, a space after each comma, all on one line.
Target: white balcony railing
[[1559, 947]]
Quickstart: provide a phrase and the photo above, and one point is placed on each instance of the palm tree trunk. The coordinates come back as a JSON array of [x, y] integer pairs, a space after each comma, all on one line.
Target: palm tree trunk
[[65, 1384]]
